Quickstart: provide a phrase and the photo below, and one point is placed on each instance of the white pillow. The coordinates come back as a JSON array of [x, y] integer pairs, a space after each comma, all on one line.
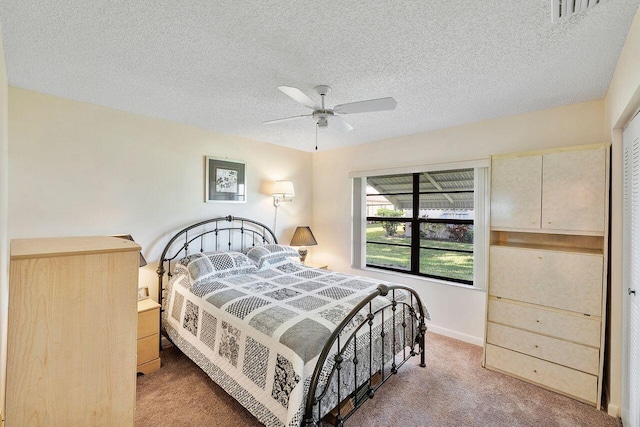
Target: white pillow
[[266, 255], [217, 264]]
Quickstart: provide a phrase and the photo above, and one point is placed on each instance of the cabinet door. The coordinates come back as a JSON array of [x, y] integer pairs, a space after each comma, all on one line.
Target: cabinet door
[[515, 192], [573, 196], [564, 280]]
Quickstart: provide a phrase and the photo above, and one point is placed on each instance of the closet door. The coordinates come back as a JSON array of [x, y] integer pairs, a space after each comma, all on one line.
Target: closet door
[[631, 276], [573, 191], [515, 192]]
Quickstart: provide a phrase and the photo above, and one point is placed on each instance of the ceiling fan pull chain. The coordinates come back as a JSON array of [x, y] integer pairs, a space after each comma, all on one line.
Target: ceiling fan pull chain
[[317, 132]]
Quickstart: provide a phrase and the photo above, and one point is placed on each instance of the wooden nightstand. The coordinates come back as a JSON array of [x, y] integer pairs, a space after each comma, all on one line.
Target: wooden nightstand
[[148, 336], [317, 265]]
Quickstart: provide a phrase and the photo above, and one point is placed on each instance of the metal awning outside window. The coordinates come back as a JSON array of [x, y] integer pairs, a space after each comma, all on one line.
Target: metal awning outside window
[[449, 189]]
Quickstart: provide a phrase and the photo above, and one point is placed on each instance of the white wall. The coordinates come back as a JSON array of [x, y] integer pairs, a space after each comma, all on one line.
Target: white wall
[[4, 240], [621, 102], [81, 169], [455, 311]]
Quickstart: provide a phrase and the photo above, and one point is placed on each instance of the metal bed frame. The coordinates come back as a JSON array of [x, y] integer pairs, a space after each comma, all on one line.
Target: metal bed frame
[[241, 233]]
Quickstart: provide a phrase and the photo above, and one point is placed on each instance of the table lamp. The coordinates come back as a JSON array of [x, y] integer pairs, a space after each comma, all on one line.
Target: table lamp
[[303, 237]]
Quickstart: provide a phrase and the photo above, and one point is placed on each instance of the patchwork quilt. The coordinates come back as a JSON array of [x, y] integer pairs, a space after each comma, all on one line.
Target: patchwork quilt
[[259, 334]]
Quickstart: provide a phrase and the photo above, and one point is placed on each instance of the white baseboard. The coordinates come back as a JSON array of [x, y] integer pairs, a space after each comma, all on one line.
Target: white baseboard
[[456, 335], [612, 409]]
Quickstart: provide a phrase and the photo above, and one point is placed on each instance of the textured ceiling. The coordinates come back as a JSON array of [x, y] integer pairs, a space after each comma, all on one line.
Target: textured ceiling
[[216, 64]]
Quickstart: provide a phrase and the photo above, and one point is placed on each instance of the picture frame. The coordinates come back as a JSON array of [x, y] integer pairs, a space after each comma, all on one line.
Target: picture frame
[[143, 293], [225, 180]]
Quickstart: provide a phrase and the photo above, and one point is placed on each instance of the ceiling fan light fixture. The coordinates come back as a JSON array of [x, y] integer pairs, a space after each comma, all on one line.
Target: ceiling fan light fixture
[[331, 117], [322, 117]]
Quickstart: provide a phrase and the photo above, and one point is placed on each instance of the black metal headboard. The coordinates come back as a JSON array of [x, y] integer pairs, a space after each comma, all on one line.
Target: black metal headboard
[[218, 234]]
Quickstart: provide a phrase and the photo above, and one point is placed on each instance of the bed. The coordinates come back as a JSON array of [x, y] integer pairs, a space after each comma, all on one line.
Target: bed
[[293, 344]]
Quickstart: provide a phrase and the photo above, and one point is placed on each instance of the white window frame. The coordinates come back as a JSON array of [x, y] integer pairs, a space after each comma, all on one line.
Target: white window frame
[[481, 211]]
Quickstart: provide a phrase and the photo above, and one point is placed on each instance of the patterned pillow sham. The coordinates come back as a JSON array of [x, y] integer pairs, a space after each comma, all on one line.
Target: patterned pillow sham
[[216, 264], [268, 255]]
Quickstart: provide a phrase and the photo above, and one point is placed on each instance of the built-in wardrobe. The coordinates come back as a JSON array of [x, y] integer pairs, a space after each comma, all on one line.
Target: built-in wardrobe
[[548, 268]]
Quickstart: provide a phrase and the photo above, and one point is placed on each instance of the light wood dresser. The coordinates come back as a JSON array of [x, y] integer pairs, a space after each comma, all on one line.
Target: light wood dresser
[[72, 332], [148, 336], [546, 307]]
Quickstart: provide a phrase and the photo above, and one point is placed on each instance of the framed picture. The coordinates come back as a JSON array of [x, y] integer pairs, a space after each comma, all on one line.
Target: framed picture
[[143, 293], [225, 180]]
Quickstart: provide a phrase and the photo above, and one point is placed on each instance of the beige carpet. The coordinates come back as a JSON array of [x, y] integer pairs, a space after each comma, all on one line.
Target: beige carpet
[[453, 390]]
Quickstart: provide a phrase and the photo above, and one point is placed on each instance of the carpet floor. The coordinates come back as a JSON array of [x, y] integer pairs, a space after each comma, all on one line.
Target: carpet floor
[[453, 390]]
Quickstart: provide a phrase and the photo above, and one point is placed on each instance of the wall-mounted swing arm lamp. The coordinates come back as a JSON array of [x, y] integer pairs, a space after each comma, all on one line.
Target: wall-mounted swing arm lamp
[[282, 192]]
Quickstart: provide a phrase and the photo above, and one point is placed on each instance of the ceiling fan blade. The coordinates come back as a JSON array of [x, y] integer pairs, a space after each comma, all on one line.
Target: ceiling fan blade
[[339, 123], [299, 96], [371, 105], [286, 119]]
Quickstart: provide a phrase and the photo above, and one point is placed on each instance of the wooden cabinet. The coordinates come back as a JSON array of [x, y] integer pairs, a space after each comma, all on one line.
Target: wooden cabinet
[[546, 308], [72, 332], [148, 336], [552, 192]]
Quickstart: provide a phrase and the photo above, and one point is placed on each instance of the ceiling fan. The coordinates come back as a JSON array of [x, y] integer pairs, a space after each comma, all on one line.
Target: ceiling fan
[[331, 117]]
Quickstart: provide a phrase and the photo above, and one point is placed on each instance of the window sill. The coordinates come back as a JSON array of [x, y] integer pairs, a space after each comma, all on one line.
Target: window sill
[[417, 279]]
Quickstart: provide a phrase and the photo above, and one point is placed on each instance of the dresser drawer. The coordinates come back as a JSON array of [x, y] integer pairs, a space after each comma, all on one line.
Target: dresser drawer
[[565, 380], [148, 348], [565, 280], [580, 329], [564, 353], [148, 323]]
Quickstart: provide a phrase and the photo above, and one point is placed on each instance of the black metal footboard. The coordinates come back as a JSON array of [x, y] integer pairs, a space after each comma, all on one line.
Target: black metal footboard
[[345, 351]]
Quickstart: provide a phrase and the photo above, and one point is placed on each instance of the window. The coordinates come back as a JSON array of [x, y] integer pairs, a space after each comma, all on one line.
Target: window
[[424, 223]]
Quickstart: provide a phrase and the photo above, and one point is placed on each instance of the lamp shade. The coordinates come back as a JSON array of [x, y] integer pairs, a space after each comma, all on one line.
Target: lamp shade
[[283, 189], [303, 237], [143, 261]]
